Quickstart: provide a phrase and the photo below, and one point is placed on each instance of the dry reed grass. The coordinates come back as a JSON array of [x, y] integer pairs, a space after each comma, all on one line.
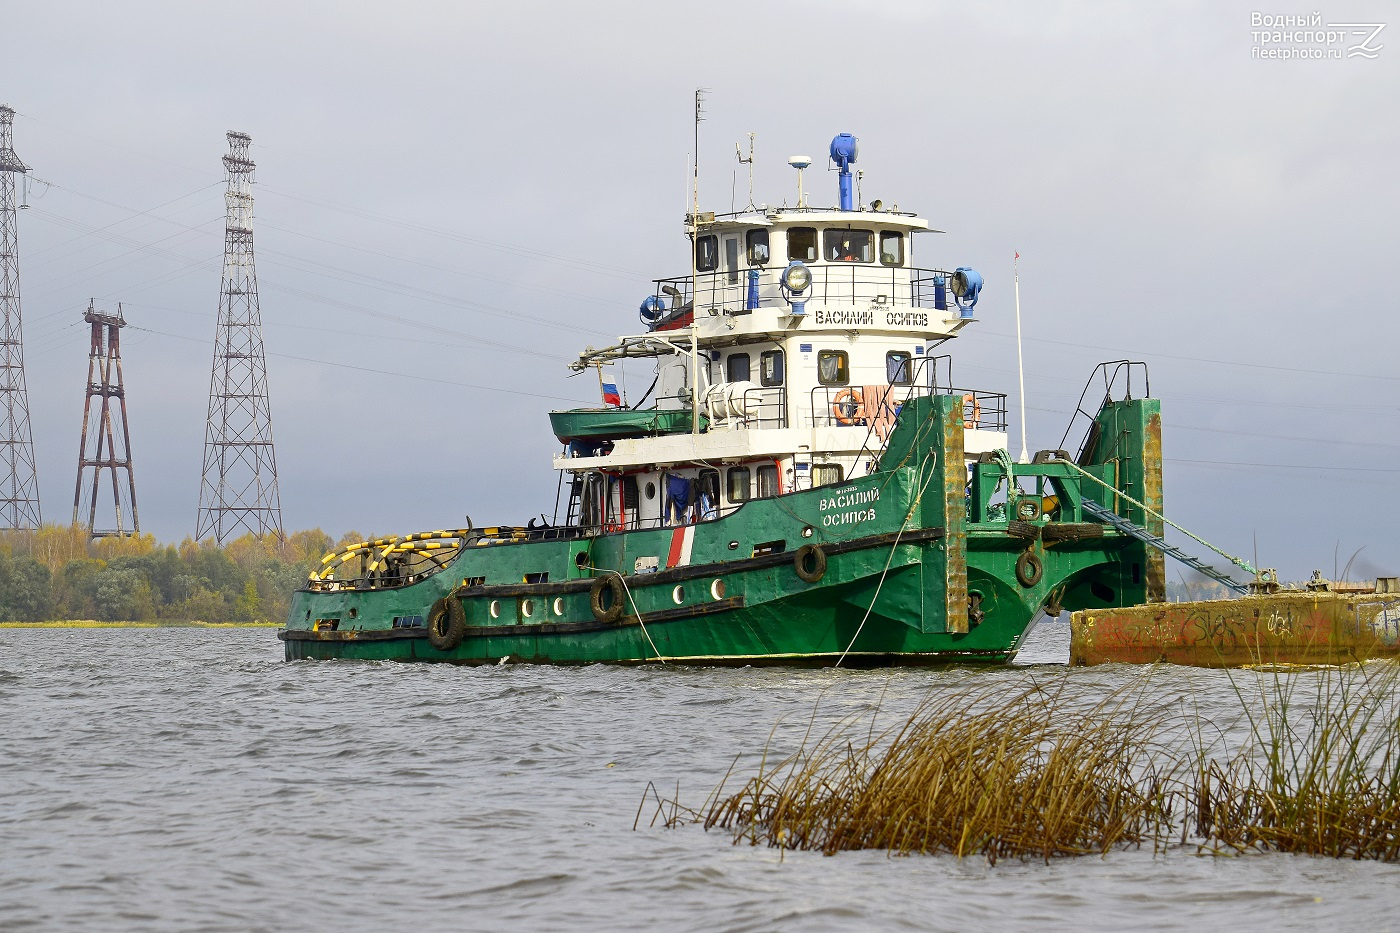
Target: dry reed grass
[[1319, 775], [1041, 774]]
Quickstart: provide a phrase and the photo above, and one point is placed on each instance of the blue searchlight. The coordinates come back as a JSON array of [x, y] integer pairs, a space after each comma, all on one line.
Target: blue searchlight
[[652, 310], [844, 149], [966, 285]]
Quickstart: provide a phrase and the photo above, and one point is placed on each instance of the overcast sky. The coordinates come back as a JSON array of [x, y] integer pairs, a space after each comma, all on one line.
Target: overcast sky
[[453, 199]]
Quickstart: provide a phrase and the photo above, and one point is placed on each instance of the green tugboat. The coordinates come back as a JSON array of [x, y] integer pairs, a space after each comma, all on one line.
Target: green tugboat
[[807, 486]]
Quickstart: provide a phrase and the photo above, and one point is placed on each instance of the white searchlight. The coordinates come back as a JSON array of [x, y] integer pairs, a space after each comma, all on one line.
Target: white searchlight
[[795, 280]]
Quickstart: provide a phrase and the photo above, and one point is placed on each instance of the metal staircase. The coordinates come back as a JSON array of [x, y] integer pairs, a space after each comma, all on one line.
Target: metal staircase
[[1118, 522]]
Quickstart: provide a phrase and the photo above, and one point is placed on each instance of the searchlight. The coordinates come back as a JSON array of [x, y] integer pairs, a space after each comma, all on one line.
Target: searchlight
[[844, 150]]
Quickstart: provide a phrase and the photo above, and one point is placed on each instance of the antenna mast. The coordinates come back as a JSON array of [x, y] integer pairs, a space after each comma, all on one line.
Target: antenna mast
[[739, 154], [239, 487], [105, 362], [694, 275], [1020, 363], [19, 479]]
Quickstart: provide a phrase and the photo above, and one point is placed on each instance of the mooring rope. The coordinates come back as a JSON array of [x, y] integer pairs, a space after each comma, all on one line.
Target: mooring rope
[[890, 560], [1238, 562], [628, 590]]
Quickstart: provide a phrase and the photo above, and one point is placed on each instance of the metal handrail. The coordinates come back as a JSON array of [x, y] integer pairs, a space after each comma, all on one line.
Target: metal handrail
[[1113, 374], [726, 291]]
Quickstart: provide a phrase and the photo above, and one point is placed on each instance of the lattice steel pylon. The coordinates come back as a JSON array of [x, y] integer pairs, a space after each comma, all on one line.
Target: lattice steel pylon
[[105, 382], [239, 486], [19, 478]]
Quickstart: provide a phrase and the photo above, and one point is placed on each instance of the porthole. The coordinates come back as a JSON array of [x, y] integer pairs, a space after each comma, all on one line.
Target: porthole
[[807, 532], [355, 613], [495, 608], [651, 491], [527, 607], [717, 589], [558, 605], [678, 595]]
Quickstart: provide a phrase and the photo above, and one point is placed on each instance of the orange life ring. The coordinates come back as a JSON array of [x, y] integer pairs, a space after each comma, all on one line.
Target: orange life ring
[[848, 406], [970, 423]]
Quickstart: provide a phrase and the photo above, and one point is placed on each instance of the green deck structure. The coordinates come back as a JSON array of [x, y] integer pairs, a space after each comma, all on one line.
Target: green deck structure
[[915, 563]]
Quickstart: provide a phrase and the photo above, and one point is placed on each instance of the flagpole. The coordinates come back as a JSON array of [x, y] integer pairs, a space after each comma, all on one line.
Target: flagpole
[[1020, 362]]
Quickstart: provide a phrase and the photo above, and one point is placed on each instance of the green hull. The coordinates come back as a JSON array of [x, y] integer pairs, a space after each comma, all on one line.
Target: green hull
[[915, 567]]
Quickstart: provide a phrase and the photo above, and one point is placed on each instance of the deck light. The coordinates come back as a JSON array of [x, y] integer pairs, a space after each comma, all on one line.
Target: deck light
[[845, 149], [967, 286], [796, 277], [652, 310], [795, 280]]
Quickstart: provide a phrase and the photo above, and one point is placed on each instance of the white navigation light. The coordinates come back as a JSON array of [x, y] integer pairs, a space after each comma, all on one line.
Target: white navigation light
[[796, 277]]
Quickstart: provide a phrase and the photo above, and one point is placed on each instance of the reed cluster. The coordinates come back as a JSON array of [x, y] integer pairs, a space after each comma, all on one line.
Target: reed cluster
[[1308, 763], [1319, 774]]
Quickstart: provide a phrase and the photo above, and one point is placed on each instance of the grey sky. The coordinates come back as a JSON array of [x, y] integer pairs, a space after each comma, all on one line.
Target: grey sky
[[515, 173]]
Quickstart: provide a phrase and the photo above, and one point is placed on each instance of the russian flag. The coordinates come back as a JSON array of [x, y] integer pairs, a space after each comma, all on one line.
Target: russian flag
[[610, 396]]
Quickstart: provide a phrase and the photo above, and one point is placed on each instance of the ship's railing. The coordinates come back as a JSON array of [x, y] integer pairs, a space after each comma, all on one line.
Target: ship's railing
[[762, 407], [849, 406], [832, 283]]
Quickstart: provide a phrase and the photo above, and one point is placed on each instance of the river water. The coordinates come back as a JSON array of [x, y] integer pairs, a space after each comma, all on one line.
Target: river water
[[189, 779]]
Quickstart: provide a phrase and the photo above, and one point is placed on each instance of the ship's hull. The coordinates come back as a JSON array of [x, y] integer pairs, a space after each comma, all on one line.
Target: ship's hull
[[886, 569]]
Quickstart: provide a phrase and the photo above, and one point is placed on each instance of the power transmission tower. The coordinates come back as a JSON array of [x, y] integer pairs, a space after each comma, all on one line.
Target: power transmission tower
[[19, 480], [239, 488], [105, 382]]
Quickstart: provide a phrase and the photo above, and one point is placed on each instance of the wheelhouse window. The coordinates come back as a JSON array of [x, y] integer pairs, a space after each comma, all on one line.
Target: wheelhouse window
[[767, 482], [770, 368], [707, 253], [891, 248], [756, 245], [731, 258], [833, 368], [850, 245], [737, 367], [802, 244], [738, 486], [826, 474], [899, 368]]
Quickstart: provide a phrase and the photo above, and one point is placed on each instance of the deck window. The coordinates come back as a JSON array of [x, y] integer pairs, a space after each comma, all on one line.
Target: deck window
[[770, 368], [825, 474], [802, 244], [767, 482], [756, 243], [891, 248], [850, 245], [707, 495], [833, 368], [738, 484], [707, 254], [899, 368], [737, 367]]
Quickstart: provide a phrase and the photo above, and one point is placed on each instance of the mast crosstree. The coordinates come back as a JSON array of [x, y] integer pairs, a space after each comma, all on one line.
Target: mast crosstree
[[239, 486]]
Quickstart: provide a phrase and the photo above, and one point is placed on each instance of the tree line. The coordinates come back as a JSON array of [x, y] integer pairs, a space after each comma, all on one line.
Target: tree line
[[59, 573]]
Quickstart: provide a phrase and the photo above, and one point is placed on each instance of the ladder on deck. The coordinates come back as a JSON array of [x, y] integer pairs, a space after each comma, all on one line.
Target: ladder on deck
[[1118, 522]]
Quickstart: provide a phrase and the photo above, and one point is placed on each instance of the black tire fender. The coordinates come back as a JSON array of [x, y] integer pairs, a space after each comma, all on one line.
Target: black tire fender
[[1029, 569], [607, 598], [810, 563], [447, 623]]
